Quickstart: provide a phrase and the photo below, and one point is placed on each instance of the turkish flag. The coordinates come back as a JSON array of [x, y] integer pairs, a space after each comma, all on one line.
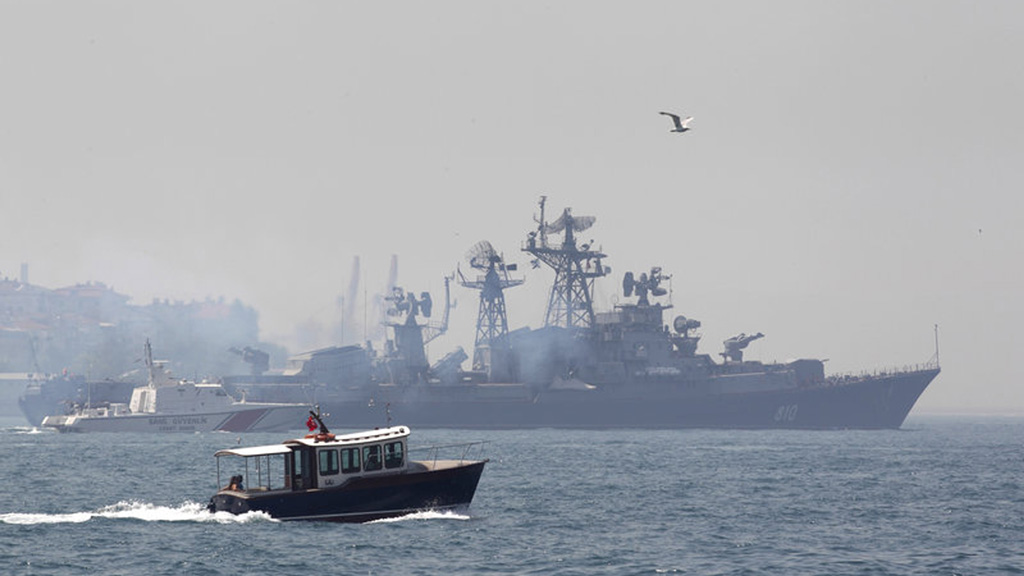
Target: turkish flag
[[311, 423]]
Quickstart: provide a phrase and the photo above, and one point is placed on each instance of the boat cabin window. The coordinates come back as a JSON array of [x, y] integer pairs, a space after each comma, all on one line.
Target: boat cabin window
[[393, 455], [371, 457], [263, 473], [349, 460], [328, 462]]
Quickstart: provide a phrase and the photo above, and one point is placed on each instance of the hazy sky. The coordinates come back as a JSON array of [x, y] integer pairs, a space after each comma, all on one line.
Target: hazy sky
[[852, 178]]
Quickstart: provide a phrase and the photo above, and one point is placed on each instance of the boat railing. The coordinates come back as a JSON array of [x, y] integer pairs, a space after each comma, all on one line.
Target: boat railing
[[462, 452], [846, 377]]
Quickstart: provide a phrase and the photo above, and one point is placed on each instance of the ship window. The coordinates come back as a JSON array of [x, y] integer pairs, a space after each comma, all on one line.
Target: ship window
[[349, 460], [328, 462], [371, 457], [393, 455]]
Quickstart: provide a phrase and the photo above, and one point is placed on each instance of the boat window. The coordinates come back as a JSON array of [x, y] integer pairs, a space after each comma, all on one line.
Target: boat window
[[298, 470], [328, 462], [371, 457], [393, 455], [349, 460]]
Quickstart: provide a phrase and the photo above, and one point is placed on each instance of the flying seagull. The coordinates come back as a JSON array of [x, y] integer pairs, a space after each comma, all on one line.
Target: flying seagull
[[682, 125]]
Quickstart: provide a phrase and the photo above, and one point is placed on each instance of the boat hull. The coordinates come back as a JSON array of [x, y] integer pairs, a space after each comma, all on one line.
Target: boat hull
[[363, 499], [256, 419], [877, 402]]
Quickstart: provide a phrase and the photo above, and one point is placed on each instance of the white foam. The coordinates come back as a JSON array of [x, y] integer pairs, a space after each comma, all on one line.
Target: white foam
[[187, 512], [75, 518], [425, 515], [25, 430]]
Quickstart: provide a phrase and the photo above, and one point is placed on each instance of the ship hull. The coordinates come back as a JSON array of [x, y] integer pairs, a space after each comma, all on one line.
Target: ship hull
[[878, 402], [256, 419]]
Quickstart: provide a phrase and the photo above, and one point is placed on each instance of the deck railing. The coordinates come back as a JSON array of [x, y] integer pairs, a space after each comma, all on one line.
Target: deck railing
[[844, 377], [461, 452]]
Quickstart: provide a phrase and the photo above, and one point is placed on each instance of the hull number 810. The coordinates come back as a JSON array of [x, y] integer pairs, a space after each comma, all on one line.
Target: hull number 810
[[786, 413]]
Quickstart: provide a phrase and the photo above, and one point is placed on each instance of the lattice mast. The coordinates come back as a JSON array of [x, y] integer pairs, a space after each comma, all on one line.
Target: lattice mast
[[492, 280], [570, 304]]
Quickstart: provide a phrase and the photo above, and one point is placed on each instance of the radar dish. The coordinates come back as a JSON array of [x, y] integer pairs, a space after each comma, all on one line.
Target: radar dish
[[426, 304], [581, 223], [578, 223], [482, 254], [627, 284], [680, 324]]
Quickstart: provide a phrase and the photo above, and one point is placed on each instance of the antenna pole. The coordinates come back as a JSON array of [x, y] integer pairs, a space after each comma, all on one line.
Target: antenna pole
[[936, 345], [543, 233]]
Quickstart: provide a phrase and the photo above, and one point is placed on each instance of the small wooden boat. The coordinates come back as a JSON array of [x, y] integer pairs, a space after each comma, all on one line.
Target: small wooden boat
[[353, 477]]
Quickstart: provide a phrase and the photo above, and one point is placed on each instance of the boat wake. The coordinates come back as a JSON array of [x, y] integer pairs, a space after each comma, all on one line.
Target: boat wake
[[425, 515], [187, 512], [22, 430]]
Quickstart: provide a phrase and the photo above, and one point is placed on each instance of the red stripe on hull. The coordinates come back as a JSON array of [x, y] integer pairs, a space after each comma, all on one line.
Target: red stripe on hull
[[242, 421]]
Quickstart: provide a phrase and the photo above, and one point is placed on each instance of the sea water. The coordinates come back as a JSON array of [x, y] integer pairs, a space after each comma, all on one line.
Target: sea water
[[943, 495]]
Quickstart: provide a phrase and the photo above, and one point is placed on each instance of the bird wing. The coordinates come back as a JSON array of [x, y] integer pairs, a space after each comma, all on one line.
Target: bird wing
[[686, 123], [675, 118]]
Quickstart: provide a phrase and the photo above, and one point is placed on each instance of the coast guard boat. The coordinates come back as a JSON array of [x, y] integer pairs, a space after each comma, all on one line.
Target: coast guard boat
[[354, 477], [165, 404]]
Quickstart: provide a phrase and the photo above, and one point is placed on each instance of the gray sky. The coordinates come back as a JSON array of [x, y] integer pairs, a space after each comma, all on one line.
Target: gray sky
[[852, 177]]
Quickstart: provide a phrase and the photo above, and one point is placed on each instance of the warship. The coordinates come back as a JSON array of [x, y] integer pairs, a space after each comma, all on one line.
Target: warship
[[44, 395], [625, 367]]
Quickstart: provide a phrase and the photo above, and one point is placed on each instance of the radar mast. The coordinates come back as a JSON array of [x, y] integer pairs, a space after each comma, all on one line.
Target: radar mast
[[570, 304], [493, 278]]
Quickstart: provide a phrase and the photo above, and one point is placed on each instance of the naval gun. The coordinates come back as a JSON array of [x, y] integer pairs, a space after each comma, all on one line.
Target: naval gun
[[258, 360], [734, 346]]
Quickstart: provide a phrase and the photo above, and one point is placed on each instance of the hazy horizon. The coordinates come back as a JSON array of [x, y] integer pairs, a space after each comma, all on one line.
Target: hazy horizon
[[847, 184]]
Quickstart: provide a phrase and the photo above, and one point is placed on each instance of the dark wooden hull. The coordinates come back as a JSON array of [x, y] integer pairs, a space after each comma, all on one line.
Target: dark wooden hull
[[363, 499]]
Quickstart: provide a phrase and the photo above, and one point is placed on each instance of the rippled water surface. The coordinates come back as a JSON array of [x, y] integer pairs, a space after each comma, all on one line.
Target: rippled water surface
[[942, 496]]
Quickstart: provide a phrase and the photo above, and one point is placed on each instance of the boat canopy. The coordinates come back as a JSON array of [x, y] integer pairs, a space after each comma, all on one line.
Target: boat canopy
[[250, 451]]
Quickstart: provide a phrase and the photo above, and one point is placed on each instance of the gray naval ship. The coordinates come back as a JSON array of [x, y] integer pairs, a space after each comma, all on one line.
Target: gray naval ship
[[626, 367]]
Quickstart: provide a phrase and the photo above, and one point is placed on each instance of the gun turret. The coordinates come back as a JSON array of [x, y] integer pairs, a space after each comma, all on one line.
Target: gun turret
[[257, 359]]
